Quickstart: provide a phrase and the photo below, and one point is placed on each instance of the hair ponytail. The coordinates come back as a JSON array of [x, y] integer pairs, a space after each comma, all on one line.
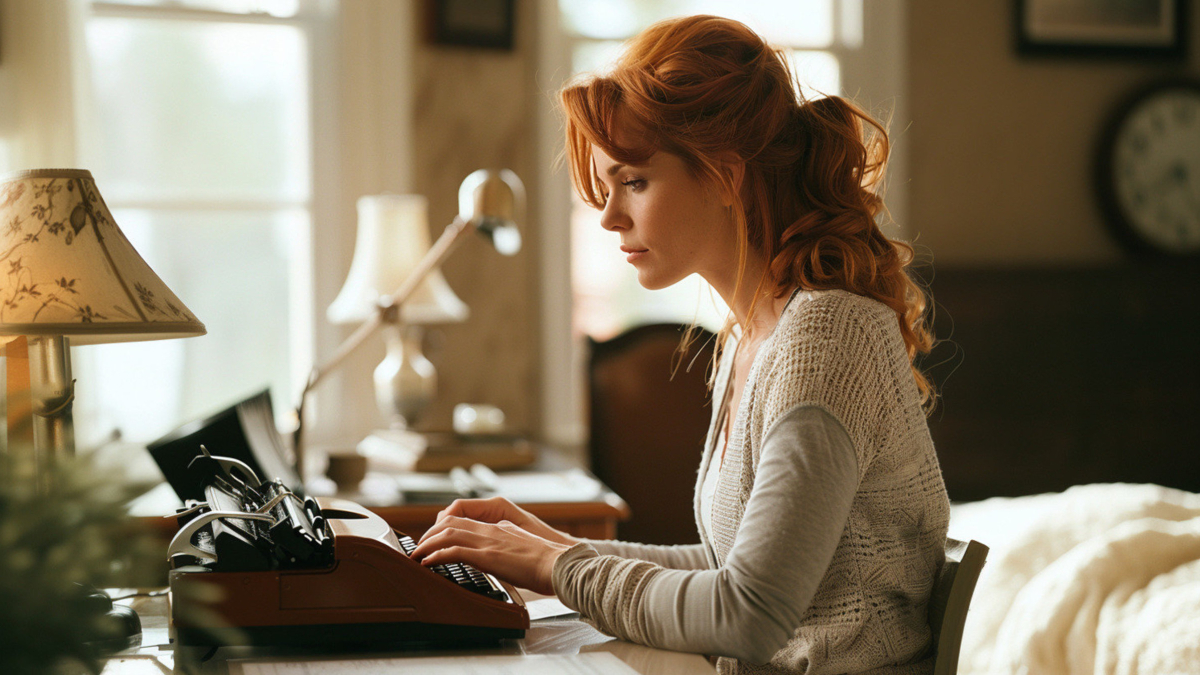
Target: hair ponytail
[[836, 241], [705, 87]]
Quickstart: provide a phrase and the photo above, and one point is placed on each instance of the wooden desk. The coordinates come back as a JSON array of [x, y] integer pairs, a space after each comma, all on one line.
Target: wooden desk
[[550, 636], [593, 519]]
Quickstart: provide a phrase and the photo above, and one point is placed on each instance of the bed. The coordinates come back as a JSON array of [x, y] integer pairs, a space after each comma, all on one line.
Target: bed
[[1101, 578]]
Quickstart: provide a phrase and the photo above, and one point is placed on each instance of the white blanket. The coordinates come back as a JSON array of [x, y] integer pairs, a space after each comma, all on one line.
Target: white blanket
[[1096, 579]]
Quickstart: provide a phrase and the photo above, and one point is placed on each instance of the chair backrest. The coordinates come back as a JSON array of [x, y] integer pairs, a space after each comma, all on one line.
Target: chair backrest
[[647, 428], [950, 599]]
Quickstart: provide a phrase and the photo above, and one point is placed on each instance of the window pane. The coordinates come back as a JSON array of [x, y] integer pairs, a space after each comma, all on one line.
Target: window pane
[[595, 56], [232, 270], [280, 8], [198, 110], [794, 23], [818, 72], [604, 19]]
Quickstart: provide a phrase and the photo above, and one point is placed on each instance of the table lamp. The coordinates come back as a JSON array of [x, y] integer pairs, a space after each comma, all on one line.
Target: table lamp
[[70, 277], [393, 237], [490, 202]]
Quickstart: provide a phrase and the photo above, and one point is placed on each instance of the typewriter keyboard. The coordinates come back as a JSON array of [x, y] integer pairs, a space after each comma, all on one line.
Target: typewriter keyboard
[[462, 574]]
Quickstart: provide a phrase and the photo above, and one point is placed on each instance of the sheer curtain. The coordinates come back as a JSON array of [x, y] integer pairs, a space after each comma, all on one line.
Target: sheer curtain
[[37, 73]]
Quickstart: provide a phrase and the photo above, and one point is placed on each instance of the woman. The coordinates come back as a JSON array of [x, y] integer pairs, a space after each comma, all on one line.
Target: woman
[[820, 503]]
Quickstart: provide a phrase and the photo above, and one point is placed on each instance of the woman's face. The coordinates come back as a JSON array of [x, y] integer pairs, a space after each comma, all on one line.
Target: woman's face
[[671, 225]]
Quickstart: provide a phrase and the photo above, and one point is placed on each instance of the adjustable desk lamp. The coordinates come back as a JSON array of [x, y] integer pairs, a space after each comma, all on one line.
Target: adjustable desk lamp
[[68, 276], [489, 202]]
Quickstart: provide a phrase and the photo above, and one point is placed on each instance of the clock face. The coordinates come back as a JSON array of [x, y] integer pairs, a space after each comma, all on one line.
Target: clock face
[[1155, 170]]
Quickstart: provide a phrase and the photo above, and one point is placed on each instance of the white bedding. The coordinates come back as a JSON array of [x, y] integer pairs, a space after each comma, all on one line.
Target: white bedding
[[1097, 579]]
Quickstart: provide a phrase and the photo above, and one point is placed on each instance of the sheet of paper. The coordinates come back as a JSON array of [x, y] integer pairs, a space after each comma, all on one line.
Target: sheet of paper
[[548, 608], [592, 663]]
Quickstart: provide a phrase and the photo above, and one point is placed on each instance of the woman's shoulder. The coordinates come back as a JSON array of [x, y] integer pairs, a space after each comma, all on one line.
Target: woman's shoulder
[[838, 315]]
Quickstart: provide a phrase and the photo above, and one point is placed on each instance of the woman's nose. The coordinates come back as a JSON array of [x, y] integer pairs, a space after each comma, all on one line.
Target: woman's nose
[[613, 217]]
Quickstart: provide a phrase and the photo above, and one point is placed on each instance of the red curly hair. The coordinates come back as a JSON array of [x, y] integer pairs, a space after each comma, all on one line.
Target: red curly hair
[[704, 88]]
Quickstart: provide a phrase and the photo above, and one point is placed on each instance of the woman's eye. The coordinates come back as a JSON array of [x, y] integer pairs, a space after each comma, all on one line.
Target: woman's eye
[[634, 183]]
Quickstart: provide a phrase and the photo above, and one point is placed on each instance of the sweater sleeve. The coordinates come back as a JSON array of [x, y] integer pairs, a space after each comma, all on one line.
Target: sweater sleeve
[[682, 557], [750, 607]]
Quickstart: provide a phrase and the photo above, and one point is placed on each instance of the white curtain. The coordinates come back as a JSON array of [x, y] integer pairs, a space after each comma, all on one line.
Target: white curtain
[[39, 43]]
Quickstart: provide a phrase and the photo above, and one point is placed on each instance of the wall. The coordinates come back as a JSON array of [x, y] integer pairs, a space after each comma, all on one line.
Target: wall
[[1063, 360], [1001, 146], [487, 120], [401, 128]]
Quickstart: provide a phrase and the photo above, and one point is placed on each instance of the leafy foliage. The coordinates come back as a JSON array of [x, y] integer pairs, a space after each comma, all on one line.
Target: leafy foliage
[[54, 541]]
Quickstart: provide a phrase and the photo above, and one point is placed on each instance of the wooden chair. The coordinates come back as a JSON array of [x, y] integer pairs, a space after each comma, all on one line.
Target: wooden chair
[[951, 597], [647, 428]]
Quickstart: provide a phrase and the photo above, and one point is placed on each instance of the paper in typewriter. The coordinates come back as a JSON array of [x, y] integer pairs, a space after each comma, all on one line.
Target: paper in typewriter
[[593, 663]]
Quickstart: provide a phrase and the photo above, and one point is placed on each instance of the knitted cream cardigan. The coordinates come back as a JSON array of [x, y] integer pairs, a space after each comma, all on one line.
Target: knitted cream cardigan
[[842, 353]]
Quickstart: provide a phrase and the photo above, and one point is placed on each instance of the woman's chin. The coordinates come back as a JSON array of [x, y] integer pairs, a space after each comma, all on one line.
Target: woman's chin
[[655, 282]]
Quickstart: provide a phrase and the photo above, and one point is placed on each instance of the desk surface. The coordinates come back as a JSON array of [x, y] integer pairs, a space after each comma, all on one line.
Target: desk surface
[[549, 636]]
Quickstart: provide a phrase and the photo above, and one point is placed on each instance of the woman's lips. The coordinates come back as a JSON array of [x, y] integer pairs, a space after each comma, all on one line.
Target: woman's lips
[[633, 253]]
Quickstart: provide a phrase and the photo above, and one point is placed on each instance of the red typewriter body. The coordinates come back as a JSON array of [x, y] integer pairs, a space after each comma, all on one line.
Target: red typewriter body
[[336, 574]]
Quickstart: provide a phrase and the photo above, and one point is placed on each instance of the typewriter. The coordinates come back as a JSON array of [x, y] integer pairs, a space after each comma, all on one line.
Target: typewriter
[[280, 570]]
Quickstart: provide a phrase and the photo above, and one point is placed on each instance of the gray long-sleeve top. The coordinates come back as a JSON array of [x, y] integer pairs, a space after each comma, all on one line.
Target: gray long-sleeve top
[[749, 607]]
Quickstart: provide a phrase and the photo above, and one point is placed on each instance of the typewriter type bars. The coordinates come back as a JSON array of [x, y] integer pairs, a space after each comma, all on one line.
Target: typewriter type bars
[[301, 569]]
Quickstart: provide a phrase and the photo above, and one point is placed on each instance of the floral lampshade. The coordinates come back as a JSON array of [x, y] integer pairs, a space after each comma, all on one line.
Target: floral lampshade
[[67, 269]]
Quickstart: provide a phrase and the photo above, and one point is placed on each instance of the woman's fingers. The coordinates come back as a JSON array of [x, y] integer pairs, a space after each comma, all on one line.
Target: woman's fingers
[[451, 531], [495, 510], [462, 554], [491, 510], [502, 549], [488, 510], [440, 524]]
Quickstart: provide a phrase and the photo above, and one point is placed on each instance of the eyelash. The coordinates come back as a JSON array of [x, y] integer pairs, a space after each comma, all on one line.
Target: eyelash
[[635, 183]]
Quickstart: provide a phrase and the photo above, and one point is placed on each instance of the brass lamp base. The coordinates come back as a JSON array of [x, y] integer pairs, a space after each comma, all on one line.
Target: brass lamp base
[[40, 394]]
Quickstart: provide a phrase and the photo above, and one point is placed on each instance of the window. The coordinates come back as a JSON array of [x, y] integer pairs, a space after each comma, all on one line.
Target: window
[[607, 298], [197, 128]]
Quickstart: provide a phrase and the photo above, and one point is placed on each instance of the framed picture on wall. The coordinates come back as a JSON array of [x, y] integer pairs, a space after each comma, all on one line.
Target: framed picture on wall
[[473, 23], [1132, 28]]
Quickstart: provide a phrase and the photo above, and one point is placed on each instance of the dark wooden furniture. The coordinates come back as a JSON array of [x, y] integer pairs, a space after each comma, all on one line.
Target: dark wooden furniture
[[1052, 377], [951, 598], [647, 427]]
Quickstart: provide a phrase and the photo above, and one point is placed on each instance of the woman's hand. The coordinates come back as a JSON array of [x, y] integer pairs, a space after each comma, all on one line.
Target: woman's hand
[[503, 549], [496, 510]]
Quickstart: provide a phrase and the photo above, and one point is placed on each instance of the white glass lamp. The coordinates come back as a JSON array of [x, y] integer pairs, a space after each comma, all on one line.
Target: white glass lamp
[[393, 238], [68, 276]]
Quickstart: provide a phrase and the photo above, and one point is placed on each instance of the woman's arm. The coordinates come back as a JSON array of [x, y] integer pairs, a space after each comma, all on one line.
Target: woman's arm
[[680, 557], [751, 606]]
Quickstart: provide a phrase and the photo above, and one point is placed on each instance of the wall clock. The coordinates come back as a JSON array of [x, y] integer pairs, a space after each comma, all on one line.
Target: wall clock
[[1148, 173]]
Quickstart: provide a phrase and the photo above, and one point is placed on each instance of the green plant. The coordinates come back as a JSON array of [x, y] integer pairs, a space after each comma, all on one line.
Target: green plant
[[55, 541]]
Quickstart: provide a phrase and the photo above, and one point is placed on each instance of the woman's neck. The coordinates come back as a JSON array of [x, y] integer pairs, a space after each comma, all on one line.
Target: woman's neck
[[755, 310]]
